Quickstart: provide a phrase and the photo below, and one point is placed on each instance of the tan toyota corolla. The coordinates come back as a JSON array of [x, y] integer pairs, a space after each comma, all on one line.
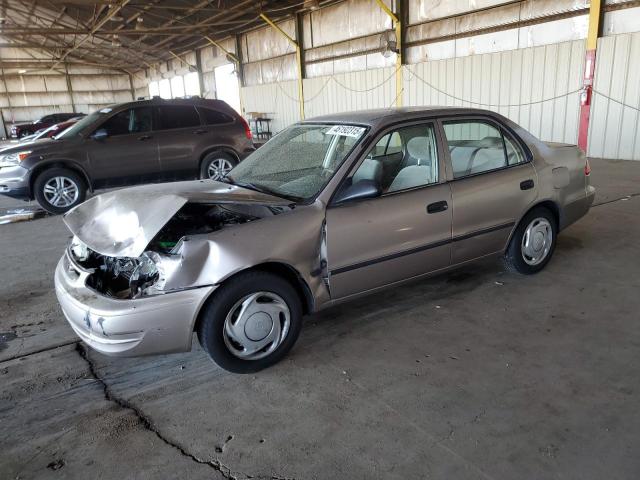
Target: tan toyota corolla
[[329, 209]]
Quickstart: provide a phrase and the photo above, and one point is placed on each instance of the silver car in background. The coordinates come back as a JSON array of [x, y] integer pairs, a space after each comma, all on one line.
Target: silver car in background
[[330, 209]]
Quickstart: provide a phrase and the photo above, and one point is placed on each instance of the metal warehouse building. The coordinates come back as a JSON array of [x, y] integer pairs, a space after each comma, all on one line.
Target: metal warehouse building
[[320, 239]]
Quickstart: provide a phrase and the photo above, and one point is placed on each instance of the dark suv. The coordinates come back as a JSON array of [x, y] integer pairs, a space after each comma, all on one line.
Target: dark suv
[[19, 130], [127, 144]]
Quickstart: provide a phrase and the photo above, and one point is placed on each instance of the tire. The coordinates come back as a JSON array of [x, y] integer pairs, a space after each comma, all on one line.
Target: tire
[[219, 162], [48, 181], [216, 322], [532, 244]]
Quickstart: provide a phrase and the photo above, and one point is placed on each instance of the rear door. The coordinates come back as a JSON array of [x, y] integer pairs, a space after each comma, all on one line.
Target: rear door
[[179, 134], [403, 233], [493, 183], [129, 153]]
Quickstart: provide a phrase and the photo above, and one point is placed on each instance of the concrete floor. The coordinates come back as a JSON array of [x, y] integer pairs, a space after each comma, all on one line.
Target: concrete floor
[[478, 374]]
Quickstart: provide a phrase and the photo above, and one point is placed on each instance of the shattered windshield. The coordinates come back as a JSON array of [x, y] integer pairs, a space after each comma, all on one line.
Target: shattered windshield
[[298, 162]]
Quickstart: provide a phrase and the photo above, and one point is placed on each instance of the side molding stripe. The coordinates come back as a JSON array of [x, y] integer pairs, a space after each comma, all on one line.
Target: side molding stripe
[[421, 248]]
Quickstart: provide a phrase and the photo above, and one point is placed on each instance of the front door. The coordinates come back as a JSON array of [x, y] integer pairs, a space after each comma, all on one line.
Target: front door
[[129, 152], [403, 233], [493, 185]]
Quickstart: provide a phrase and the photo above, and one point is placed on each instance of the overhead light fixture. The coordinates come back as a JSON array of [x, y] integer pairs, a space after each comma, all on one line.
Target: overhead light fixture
[[21, 71]]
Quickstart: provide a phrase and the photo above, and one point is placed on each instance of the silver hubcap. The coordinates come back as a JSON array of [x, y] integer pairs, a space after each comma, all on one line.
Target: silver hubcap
[[61, 192], [256, 325], [219, 168], [537, 241]]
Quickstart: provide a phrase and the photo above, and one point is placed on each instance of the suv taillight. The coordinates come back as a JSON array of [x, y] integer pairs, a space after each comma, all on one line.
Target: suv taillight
[[587, 167], [247, 129]]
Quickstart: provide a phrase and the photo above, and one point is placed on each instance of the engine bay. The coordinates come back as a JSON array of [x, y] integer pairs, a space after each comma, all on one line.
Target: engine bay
[[127, 277]]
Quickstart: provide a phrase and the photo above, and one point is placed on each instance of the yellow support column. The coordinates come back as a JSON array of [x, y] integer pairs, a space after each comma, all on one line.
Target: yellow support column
[[298, 61], [397, 25]]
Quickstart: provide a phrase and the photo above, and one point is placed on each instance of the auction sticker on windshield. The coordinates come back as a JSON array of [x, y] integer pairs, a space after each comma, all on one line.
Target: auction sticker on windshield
[[346, 131]]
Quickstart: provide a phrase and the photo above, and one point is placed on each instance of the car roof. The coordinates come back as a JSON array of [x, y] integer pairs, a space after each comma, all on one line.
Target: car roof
[[198, 101], [391, 115]]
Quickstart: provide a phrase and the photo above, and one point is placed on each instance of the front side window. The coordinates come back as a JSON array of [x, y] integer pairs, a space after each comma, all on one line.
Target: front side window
[[299, 161], [132, 120], [476, 146], [177, 116], [402, 159]]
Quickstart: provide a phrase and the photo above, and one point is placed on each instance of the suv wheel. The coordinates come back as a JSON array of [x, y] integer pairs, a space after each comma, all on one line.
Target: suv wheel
[[217, 165], [58, 190], [251, 322]]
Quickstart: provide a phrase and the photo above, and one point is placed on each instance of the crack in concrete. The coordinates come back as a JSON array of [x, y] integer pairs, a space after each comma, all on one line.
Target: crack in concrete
[[41, 350], [148, 424]]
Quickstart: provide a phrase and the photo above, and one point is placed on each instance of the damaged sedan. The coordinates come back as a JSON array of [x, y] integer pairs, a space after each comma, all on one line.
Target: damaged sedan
[[329, 209]]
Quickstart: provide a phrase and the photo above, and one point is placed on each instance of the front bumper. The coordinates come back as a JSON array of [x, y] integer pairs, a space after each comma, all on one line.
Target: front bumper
[[144, 326], [14, 182]]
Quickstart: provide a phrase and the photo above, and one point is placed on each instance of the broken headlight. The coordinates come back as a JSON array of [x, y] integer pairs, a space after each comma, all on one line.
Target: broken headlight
[[79, 249], [166, 266]]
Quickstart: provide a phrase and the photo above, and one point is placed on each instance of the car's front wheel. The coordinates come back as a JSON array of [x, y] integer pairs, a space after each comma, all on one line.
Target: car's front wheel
[[58, 190], [533, 242], [251, 322], [217, 165]]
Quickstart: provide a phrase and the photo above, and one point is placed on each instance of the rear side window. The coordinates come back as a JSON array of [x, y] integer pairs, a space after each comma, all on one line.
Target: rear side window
[[213, 117], [477, 146], [176, 116], [132, 120]]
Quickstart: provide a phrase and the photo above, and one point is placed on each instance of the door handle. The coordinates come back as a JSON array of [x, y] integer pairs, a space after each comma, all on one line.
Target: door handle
[[527, 185], [200, 132], [437, 207], [144, 137]]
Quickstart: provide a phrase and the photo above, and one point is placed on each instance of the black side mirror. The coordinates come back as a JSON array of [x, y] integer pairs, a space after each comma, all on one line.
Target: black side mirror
[[100, 134], [359, 190]]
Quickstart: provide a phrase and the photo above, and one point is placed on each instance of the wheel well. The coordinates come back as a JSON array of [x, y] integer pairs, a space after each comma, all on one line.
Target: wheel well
[[293, 277], [39, 169], [283, 270], [217, 149], [552, 207]]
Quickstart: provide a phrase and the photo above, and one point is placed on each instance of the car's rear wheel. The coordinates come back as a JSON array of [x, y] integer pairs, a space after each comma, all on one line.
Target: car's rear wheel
[[251, 322], [533, 242], [58, 190], [217, 165]]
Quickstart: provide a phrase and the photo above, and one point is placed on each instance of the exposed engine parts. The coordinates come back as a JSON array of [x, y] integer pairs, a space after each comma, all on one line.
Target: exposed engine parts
[[121, 277], [195, 219]]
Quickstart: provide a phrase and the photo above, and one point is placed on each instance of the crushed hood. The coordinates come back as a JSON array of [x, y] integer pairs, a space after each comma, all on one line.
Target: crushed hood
[[122, 223]]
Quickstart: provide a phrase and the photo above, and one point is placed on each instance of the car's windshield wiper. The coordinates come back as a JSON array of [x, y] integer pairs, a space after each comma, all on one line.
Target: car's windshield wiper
[[262, 189]]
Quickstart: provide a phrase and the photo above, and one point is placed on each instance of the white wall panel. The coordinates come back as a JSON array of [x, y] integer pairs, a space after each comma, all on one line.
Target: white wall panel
[[350, 91], [278, 100], [511, 83], [614, 131]]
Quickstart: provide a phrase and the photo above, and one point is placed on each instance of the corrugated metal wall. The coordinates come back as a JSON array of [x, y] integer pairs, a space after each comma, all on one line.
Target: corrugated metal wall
[[30, 96], [614, 131], [278, 100], [528, 85], [350, 91], [536, 87]]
